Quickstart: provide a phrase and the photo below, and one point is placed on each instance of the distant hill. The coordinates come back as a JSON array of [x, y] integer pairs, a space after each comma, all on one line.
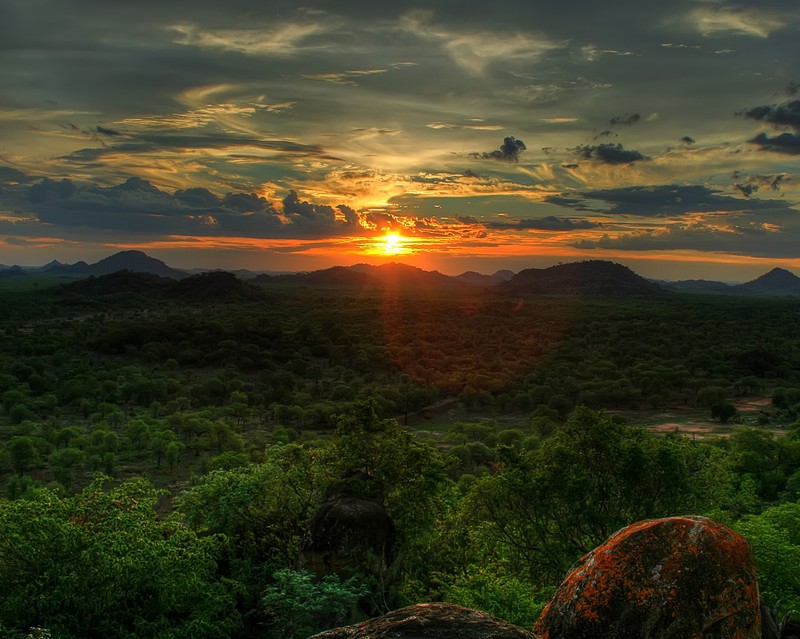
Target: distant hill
[[479, 279], [135, 261], [391, 276], [594, 277], [12, 271], [335, 277], [778, 281], [214, 286], [120, 283], [698, 286]]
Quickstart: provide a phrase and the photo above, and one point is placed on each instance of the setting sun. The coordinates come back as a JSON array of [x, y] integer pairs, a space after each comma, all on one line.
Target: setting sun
[[392, 244]]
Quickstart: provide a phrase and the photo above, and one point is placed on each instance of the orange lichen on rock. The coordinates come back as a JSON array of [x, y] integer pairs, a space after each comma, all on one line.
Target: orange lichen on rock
[[672, 578]]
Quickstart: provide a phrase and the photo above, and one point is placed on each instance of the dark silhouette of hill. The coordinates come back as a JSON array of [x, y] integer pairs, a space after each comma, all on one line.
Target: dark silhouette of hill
[[594, 277], [118, 284], [396, 275], [215, 286], [135, 261], [335, 277], [13, 271], [479, 279], [698, 286], [361, 276], [778, 281]]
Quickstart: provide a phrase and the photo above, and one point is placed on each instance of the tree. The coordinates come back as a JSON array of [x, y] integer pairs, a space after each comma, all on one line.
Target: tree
[[723, 412], [103, 564], [23, 453], [546, 507], [297, 605]]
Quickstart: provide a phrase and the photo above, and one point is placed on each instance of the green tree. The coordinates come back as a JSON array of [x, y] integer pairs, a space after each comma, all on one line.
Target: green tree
[[103, 564], [297, 605], [23, 453], [546, 507]]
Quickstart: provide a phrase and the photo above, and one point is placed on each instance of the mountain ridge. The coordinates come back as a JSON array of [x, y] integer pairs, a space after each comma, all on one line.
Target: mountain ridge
[[585, 277]]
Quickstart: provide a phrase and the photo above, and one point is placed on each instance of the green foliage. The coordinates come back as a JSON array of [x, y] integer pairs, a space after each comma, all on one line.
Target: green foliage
[[549, 506], [774, 536], [507, 597], [102, 564], [298, 605]]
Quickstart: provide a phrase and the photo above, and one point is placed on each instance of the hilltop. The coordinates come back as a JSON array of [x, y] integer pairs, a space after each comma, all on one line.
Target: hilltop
[[590, 277]]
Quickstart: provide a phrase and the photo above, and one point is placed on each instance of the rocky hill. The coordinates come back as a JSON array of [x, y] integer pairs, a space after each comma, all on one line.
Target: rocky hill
[[594, 277], [778, 281]]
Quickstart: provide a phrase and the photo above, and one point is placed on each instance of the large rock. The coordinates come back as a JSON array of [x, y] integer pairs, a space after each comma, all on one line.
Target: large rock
[[347, 532], [430, 621], [674, 578]]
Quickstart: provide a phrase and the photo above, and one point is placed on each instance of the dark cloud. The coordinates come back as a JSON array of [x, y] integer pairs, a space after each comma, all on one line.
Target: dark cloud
[[149, 143], [198, 198], [786, 114], [742, 237], [626, 119], [787, 143], [749, 184], [349, 214], [137, 206], [687, 140], [608, 154], [562, 200], [673, 200], [9, 175], [49, 189], [109, 132], [746, 189], [604, 134], [549, 223], [136, 184], [509, 151]]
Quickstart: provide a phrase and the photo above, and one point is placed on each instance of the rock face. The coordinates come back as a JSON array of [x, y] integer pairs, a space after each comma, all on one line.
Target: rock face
[[346, 531], [674, 578], [430, 621]]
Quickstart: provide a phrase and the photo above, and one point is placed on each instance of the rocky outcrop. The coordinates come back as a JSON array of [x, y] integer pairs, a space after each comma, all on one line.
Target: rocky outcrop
[[674, 578], [347, 531], [430, 621]]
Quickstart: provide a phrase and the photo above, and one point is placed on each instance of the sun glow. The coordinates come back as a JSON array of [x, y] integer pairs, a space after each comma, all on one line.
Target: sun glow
[[393, 244]]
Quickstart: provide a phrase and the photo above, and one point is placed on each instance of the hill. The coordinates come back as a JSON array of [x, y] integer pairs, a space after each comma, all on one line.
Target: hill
[[135, 261], [361, 276], [594, 277], [479, 279], [214, 286], [778, 281]]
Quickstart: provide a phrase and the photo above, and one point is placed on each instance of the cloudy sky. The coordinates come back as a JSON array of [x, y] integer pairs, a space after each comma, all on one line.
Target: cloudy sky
[[283, 136]]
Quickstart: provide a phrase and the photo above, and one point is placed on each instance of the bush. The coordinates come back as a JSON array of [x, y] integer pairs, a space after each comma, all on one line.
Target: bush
[[298, 606]]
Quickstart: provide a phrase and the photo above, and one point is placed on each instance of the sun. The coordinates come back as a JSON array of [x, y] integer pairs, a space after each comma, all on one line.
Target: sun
[[392, 244]]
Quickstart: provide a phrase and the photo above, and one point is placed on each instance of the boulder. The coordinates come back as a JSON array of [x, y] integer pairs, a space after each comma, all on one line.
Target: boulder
[[430, 621], [347, 531], [673, 578]]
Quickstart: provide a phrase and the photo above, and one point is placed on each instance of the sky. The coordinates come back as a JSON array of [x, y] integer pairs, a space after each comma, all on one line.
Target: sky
[[449, 135]]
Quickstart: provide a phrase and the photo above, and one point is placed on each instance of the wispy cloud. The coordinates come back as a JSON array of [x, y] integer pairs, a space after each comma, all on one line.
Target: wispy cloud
[[739, 21], [280, 40], [476, 50]]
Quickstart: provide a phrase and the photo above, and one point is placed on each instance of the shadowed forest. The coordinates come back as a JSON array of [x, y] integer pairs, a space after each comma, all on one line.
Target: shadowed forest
[[167, 447]]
